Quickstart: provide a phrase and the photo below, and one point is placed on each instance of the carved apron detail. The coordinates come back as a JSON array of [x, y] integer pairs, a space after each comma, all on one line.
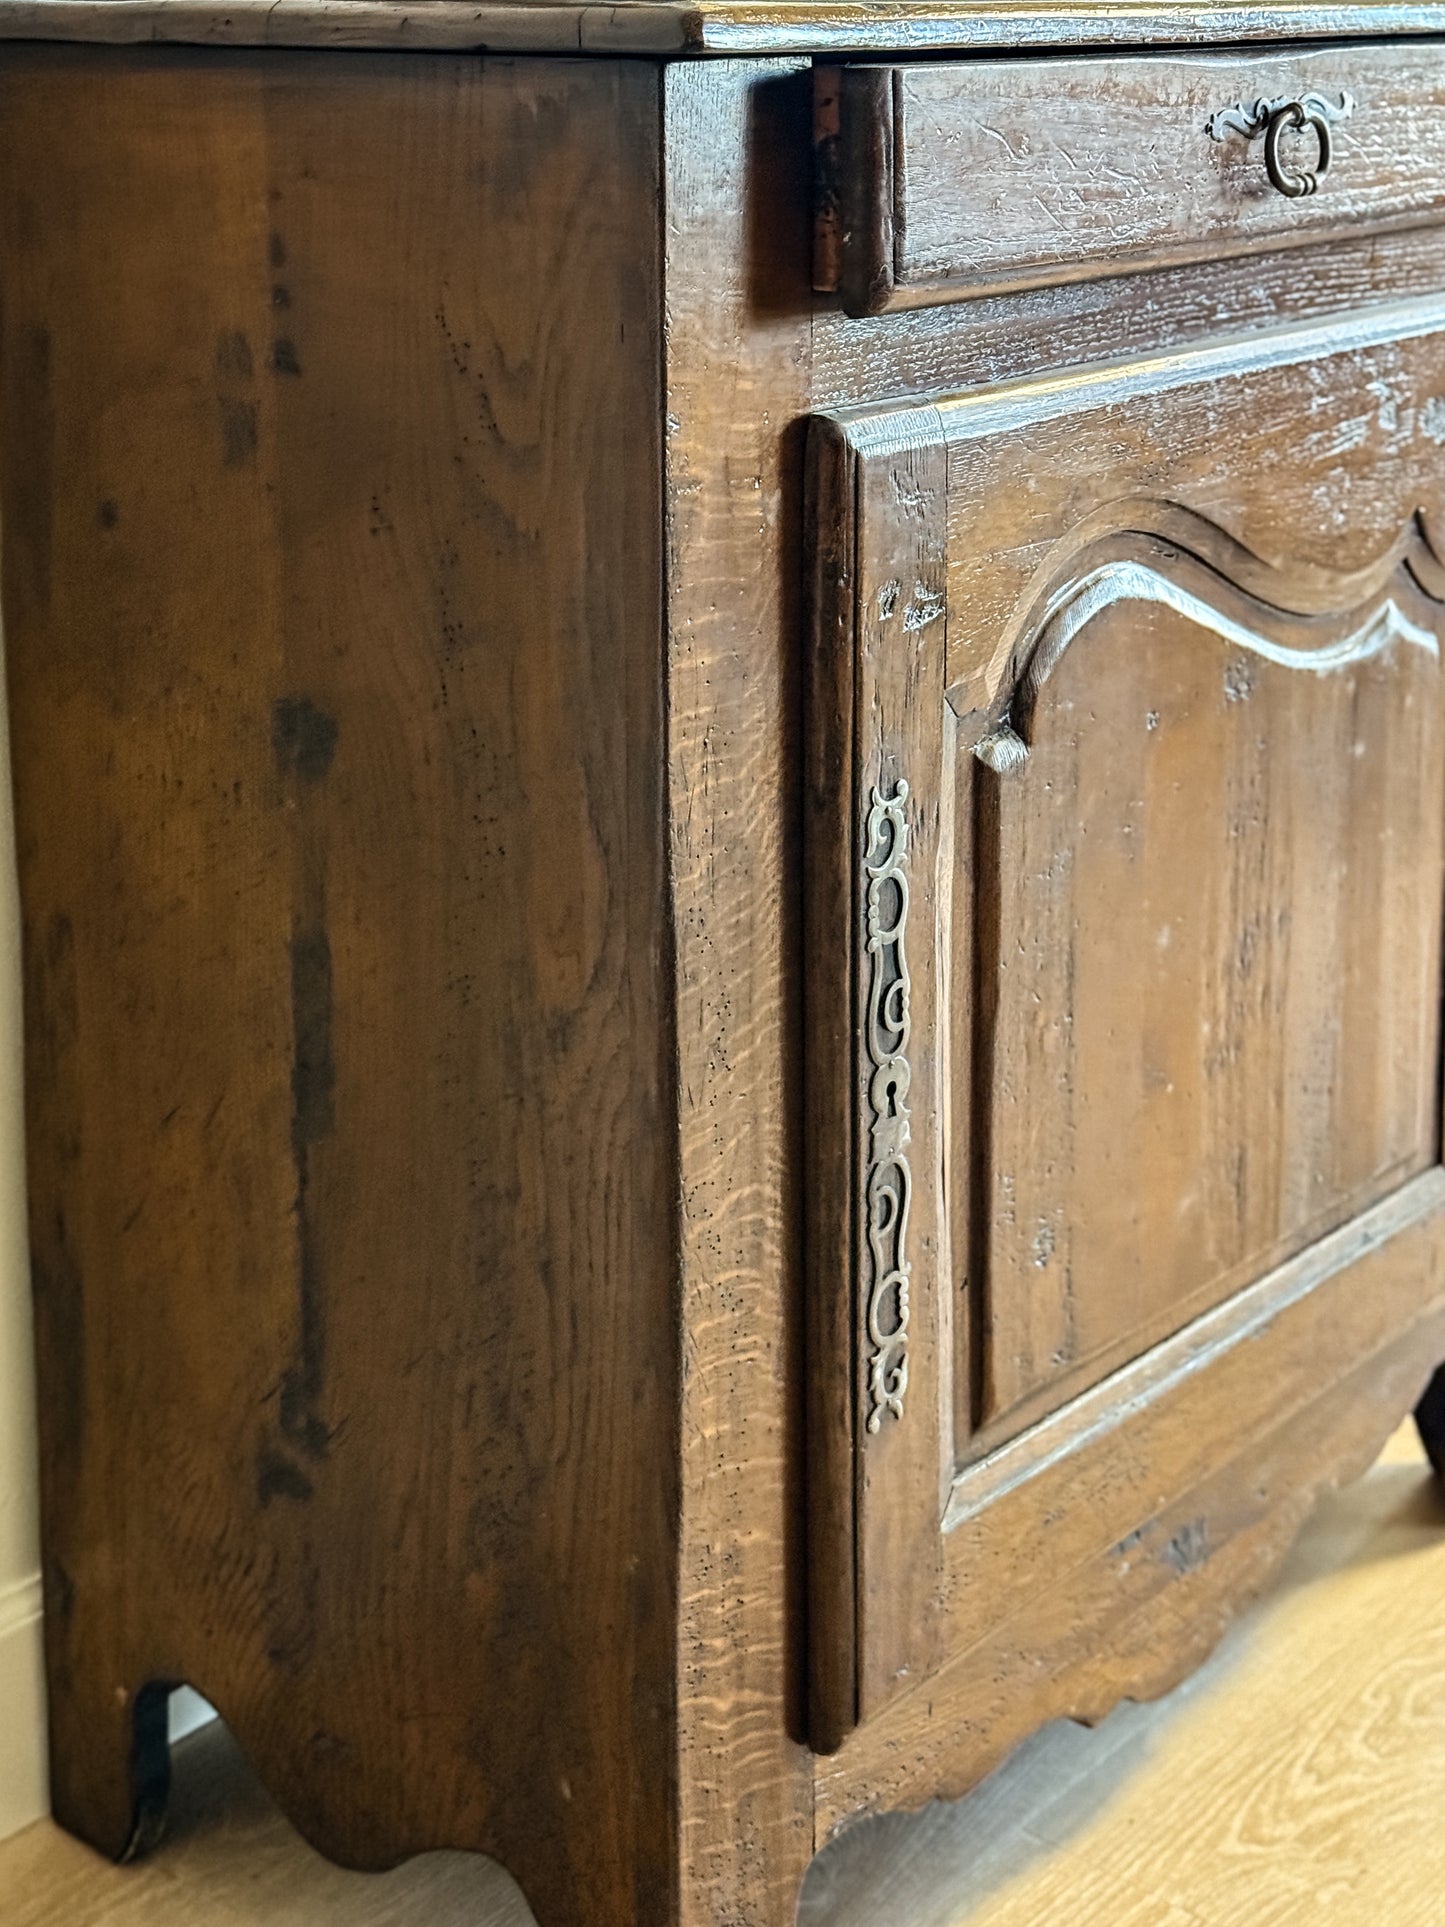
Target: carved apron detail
[[889, 1180]]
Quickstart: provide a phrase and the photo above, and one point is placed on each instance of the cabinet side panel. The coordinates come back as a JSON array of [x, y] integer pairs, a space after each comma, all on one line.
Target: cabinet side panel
[[332, 588]]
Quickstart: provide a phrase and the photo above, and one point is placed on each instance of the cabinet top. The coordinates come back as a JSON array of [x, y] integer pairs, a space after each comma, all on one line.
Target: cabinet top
[[687, 27]]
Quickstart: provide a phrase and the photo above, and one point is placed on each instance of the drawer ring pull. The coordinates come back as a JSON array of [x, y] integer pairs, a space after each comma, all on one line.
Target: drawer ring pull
[[1294, 182], [1276, 118]]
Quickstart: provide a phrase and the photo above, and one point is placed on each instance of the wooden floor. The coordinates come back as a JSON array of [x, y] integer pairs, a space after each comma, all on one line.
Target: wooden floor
[[1299, 1779]]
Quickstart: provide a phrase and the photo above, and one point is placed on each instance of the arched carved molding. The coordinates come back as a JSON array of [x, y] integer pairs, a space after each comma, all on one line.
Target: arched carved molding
[[1119, 582], [1146, 616], [1164, 555]]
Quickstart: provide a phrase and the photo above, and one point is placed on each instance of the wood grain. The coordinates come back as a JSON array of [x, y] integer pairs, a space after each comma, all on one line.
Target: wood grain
[[1288, 1781], [1205, 1104], [1211, 1526], [404, 500], [1293, 1777], [736, 374], [1261, 1010], [880, 1110], [736, 27], [923, 353], [331, 573], [1266, 516], [428, 26], [953, 179], [231, 1857]]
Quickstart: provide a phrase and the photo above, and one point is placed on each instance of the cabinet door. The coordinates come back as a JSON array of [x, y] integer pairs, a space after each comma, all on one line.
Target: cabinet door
[[1126, 860]]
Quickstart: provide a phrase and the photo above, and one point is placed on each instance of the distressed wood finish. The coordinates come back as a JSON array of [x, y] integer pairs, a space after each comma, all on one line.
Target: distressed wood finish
[[337, 739], [1172, 783], [1344, 1660], [926, 352], [737, 379], [489, 994], [757, 28], [1078, 1609], [942, 182]]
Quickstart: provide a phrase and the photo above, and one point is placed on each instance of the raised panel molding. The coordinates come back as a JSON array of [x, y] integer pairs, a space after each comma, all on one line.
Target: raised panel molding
[[1009, 1387], [1114, 583], [1342, 617], [972, 594]]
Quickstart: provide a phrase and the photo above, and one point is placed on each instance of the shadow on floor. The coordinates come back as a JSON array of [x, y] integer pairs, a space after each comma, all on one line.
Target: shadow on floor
[[937, 1867]]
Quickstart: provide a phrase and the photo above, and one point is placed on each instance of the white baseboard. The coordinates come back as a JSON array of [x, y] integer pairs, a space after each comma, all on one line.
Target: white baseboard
[[24, 1797], [187, 1711], [24, 1792]]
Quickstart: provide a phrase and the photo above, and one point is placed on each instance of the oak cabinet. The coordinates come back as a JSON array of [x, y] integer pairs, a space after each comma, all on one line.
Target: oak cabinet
[[731, 810], [1128, 862], [946, 180]]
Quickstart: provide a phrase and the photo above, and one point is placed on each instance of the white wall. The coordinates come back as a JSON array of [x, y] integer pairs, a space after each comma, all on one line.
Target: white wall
[[22, 1717]]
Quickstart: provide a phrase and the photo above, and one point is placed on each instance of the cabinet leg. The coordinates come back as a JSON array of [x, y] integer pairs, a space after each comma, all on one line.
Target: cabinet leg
[[1430, 1421], [110, 1765]]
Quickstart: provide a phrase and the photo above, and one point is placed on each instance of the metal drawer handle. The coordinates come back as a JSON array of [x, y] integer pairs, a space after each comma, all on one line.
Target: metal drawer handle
[[1295, 181], [1276, 118]]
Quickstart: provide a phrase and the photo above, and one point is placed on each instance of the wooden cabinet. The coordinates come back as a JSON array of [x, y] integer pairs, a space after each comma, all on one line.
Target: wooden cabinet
[[944, 180], [1126, 863], [730, 781]]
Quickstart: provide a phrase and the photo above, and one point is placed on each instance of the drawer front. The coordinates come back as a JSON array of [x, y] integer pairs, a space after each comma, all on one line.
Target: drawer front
[[1126, 841], [944, 181]]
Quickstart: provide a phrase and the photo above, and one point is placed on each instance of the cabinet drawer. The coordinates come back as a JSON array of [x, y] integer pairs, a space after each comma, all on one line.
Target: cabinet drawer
[[943, 181]]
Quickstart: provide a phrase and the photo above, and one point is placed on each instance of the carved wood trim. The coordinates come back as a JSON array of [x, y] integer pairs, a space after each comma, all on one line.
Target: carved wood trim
[[1344, 619], [877, 882], [920, 565], [1344, 1340], [1072, 609], [1113, 583]]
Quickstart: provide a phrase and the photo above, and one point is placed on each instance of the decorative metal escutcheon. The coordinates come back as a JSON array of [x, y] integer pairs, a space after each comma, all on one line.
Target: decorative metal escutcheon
[[1289, 115]]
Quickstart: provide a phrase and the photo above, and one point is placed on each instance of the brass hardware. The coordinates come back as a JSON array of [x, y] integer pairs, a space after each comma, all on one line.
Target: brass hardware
[[1287, 115]]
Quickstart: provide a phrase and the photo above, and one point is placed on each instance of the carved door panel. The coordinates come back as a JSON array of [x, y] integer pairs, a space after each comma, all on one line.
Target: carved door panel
[[1126, 864]]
